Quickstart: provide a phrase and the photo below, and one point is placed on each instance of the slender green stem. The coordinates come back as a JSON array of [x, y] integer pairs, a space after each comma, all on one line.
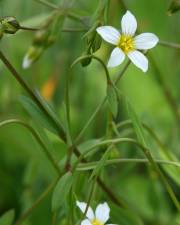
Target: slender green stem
[[89, 121], [76, 17], [169, 44], [29, 28], [119, 76], [96, 58], [92, 165], [68, 130], [37, 137]]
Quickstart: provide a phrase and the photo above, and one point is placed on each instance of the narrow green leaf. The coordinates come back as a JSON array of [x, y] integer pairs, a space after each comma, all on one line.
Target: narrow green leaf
[[101, 163], [38, 114], [112, 99], [7, 218], [174, 7], [61, 190]]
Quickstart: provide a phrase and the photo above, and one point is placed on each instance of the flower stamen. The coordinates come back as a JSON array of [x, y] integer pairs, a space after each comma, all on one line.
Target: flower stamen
[[96, 222], [126, 43]]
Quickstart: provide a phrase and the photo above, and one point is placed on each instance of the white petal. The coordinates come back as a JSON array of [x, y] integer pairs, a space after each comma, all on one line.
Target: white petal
[[139, 60], [109, 34], [116, 58], [86, 222], [82, 206], [145, 41], [102, 212], [26, 62], [128, 24]]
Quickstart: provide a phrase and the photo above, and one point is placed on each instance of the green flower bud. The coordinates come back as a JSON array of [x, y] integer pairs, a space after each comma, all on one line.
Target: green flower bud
[[9, 25], [41, 37], [42, 40], [31, 56]]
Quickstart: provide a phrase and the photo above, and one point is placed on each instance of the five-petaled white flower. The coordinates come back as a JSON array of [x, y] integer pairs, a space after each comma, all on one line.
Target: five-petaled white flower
[[126, 43], [100, 217]]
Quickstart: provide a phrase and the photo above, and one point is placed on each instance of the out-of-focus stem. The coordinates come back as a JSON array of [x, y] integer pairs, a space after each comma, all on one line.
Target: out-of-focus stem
[[169, 44]]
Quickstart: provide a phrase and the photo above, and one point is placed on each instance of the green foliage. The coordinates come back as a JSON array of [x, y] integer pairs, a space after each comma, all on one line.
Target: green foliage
[[7, 218], [96, 139]]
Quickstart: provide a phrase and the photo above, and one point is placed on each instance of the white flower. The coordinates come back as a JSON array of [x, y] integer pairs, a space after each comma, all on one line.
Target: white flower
[[100, 217], [126, 43]]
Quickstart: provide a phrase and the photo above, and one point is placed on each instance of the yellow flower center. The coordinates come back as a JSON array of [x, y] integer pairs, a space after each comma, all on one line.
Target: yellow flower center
[[96, 222], [126, 43]]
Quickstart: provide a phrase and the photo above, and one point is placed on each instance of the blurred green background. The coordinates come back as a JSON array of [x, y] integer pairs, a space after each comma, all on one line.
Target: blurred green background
[[25, 172]]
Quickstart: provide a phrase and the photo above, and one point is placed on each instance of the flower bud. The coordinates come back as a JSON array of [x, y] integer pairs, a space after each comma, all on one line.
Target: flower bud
[[9, 25], [31, 56]]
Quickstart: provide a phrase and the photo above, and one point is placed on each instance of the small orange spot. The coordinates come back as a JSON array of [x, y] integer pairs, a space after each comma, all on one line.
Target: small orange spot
[[49, 88]]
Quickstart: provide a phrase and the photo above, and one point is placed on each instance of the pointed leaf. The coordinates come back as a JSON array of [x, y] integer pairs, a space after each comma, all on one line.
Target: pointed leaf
[[61, 190]]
